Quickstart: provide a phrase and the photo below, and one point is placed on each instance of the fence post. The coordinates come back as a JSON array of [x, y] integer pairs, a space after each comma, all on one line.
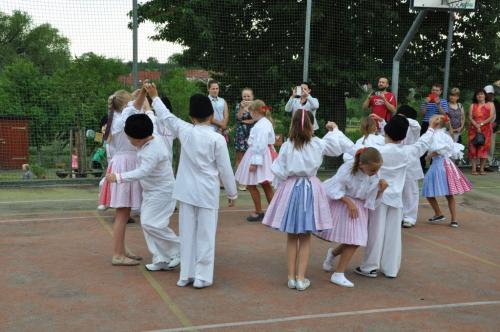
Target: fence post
[[451, 23], [134, 45], [307, 38]]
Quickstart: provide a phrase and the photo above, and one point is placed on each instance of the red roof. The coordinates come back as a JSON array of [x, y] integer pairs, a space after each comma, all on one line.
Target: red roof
[[197, 74], [142, 75]]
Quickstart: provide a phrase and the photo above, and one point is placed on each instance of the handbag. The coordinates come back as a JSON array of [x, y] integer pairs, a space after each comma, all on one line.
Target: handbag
[[479, 139]]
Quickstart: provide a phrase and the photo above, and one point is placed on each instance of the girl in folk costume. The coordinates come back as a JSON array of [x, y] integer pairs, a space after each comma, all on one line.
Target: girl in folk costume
[[443, 178], [369, 130], [255, 167], [353, 191], [300, 205], [121, 196]]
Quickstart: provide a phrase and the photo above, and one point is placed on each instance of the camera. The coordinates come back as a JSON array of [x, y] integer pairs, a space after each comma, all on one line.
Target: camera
[[298, 91], [432, 97]]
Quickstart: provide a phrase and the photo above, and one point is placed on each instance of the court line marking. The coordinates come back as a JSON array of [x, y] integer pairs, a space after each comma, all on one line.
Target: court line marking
[[179, 314], [330, 315], [463, 253]]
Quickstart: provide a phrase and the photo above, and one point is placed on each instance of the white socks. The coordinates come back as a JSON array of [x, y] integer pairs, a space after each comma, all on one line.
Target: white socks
[[328, 262], [341, 280]]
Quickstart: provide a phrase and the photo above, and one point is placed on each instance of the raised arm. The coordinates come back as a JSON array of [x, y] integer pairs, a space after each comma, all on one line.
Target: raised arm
[[336, 142], [366, 103], [224, 167], [289, 105], [314, 102]]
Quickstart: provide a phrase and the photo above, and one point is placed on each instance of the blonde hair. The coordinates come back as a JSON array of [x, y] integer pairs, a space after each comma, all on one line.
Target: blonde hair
[[455, 92], [116, 103], [367, 126], [366, 156], [258, 106]]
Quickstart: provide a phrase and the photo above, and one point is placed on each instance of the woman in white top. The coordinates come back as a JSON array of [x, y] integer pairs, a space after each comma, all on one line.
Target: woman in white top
[[304, 102], [221, 111]]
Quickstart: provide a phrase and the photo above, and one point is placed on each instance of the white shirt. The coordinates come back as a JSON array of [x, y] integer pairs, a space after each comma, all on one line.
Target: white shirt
[[261, 135], [443, 144], [306, 161], [396, 160], [204, 158], [414, 170], [371, 140], [119, 142], [311, 104], [161, 131], [359, 185], [154, 170], [218, 104]]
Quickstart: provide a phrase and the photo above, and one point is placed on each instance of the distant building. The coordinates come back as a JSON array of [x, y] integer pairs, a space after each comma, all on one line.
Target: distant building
[[142, 75], [197, 75]]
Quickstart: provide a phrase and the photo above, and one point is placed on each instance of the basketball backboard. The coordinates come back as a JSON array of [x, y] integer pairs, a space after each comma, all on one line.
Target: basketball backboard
[[456, 5]]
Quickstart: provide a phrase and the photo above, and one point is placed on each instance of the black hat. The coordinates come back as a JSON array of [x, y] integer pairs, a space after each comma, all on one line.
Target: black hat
[[407, 111], [396, 128], [200, 107], [139, 126]]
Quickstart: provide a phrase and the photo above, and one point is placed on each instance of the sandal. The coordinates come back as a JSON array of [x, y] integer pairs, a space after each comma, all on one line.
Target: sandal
[[132, 256], [482, 173], [124, 261], [474, 173], [255, 217]]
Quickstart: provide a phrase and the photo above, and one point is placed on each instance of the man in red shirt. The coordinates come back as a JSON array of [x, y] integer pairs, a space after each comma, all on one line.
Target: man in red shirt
[[381, 102]]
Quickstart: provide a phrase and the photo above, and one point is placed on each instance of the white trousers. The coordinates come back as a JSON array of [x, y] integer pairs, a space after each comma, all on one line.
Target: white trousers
[[411, 199], [383, 250], [161, 240], [197, 228]]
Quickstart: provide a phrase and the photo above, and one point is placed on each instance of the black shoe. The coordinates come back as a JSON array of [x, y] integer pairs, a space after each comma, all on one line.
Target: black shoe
[[258, 217], [130, 221], [371, 274], [436, 218]]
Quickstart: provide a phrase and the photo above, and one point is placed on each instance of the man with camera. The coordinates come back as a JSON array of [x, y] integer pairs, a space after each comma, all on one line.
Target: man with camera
[[432, 105], [301, 99], [381, 102]]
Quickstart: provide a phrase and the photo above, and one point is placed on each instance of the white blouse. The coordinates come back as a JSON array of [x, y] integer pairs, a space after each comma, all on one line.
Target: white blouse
[[261, 135], [311, 105], [414, 169], [119, 142], [306, 161], [371, 140], [359, 185], [443, 144]]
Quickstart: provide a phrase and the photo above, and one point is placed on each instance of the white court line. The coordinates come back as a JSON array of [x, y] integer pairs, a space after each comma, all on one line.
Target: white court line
[[93, 217], [50, 200], [330, 315]]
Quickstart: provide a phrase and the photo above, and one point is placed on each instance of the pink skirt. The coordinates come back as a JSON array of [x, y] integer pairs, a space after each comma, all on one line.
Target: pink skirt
[[457, 182], [263, 173], [345, 229], [121, 195], [276, 211]]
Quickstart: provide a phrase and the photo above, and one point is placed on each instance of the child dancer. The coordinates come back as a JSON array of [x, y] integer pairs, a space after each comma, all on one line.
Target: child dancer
[[300, 205], [443, 178], [255, 167], [121, 196], [204, 158], [414, 170], [383, 249], [352, 192], [369, 130], [157, 180]]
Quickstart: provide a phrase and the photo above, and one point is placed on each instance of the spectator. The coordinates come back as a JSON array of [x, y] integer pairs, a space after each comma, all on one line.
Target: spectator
[[432, 105], [28, 174], [221, 111], [456, 114], [481, 115], [304, 101], [382, 102], [490, 97], [244, 123]]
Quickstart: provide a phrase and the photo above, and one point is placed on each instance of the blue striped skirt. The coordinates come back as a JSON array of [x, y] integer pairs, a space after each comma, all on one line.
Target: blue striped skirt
[[435, 180]]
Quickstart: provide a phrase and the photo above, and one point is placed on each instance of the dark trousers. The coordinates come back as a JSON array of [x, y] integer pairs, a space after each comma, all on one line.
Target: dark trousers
[[423, 129]]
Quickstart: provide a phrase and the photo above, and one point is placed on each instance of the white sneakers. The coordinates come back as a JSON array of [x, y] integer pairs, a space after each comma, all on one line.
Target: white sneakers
[[340, 279], [197, 283], [102, 207], [302, 285], [164, 266], [328, 262], [292, 283]]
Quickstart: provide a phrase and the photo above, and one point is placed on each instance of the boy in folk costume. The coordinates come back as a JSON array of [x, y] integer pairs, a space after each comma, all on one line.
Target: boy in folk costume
[[204, 158], [383, 250], [157, 180]]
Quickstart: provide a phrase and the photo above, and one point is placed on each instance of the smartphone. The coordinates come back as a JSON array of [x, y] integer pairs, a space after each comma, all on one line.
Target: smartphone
[[298, 91]]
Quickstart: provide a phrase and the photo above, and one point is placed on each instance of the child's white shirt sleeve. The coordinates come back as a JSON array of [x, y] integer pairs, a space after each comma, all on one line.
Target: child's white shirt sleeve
[[118, 123], [173, 123], [224, 167], [148, 162], [279, 166], [336, 143]]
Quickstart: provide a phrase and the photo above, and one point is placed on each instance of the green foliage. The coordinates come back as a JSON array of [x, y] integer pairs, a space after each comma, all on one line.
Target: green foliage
[[39, 171]]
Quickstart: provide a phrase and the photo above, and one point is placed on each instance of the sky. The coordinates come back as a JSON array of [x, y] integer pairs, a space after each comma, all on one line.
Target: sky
[[98, 26]]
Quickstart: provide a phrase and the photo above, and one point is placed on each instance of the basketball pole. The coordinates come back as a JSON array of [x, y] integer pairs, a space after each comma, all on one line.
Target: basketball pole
[[451, 23], [135, 78], [402, 49], [307, 38]]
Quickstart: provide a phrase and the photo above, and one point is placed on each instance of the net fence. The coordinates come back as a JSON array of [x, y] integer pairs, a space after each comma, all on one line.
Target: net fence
[[60, 60]]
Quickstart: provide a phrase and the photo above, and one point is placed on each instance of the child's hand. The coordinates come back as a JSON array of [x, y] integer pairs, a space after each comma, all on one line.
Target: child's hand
[[151, 89], [375, 117], [231, 202], [353, 210], [382, 185], [253, 168], [111, 178], [330, 125]]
